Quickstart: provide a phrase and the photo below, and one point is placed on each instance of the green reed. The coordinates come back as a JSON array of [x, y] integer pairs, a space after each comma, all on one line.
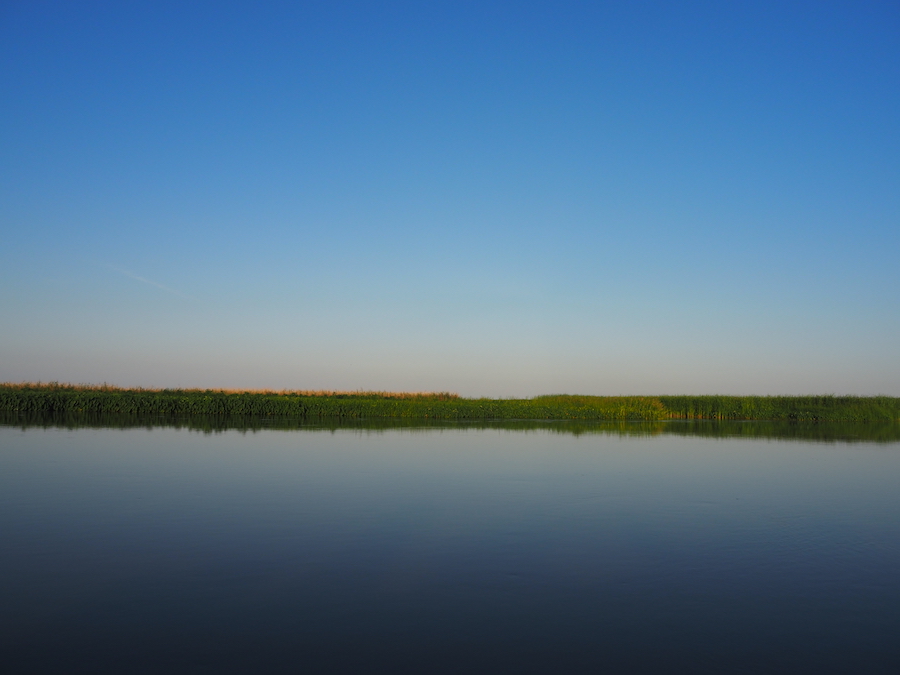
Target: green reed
[[29, 399], [795, 408]]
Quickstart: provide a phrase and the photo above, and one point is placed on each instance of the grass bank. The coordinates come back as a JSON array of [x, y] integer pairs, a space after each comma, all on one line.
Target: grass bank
[[36, 398]]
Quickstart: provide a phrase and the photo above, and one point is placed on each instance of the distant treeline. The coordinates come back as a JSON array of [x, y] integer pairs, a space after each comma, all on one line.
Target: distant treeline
[[28, 399]]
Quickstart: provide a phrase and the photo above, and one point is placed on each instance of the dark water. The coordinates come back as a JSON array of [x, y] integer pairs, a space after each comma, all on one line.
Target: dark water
[[691, 548]]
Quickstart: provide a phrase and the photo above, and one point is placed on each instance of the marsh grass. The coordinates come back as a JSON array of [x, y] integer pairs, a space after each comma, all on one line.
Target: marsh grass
[[54, 398], [333, 393]]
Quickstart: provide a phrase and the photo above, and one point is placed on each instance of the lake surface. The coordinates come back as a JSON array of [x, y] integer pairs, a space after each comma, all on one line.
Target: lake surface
[[466, 548]]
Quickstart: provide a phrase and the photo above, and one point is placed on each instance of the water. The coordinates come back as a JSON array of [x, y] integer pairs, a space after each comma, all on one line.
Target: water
[[450, 549]]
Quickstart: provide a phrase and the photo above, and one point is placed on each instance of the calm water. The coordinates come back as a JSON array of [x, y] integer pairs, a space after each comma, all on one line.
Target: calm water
[[457, 549]]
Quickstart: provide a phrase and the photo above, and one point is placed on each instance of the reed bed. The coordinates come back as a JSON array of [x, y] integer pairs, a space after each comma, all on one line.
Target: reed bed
[[335, 393], [54, 398], [813, 408]]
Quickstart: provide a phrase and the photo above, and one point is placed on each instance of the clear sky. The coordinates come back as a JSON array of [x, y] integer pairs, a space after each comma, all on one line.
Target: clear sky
[[493, 198]]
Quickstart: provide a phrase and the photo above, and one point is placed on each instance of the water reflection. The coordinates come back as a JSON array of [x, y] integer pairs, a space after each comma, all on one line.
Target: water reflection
[[136, 545], [845, 432]]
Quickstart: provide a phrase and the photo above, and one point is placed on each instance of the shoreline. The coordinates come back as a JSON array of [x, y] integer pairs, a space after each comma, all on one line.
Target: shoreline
[[54, 398]]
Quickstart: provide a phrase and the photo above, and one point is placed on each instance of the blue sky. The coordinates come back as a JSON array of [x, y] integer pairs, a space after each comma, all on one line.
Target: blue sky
[[501, 199]]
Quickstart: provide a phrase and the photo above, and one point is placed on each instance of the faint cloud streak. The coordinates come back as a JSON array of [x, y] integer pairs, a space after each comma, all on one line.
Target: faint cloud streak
[[132, 275]]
